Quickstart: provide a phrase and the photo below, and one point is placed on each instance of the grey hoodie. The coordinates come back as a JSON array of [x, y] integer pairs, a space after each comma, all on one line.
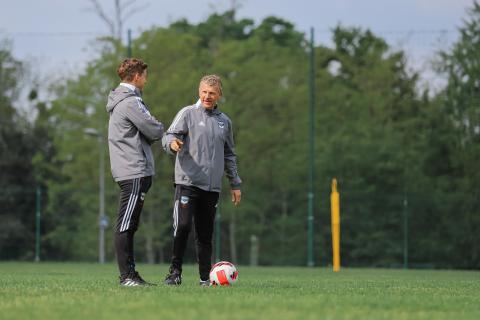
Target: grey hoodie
[[207, 150], [131, 131]]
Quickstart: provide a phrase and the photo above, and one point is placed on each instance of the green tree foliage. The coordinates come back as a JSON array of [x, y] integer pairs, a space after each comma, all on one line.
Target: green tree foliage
[[16, 203], [392, 148], [367, 106], [19, 141], [73, 200], [217, 28], [458, 143]]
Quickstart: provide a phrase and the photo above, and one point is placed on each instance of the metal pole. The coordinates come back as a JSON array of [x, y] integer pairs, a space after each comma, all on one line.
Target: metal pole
[[310, 262], [253, 250], [405, 232], [101, 211], [129, 43], [335, 212], [37, 223]]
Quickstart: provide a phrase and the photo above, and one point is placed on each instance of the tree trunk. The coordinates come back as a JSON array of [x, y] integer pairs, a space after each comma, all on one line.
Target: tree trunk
[[283, 234], [149, 239], [233, 242]]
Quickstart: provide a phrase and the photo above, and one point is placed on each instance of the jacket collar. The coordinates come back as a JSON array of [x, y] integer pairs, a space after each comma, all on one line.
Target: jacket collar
[[207, 111], [132, 88]]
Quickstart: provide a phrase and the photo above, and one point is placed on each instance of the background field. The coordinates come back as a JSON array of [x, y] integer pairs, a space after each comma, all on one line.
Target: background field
[[90, 291]]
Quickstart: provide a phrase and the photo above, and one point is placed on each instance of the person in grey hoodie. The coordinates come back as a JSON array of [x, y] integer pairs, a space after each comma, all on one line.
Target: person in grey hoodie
[[131, 131], [202, 138]]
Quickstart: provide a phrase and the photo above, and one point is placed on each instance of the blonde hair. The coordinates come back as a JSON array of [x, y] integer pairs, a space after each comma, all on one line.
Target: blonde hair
[[214, 81]]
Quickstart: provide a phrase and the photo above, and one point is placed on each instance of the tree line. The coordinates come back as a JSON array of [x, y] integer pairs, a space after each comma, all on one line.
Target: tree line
[[406, 159]]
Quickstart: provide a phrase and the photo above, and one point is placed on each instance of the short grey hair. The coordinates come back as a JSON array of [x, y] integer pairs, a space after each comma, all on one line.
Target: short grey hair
[[214, 81]]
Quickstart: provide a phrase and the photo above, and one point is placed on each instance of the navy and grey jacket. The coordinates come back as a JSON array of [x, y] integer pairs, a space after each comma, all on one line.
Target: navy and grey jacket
[[207, 151], [131, 131]]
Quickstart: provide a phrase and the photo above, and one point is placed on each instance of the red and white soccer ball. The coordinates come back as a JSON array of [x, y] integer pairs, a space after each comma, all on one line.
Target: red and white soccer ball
[[223, 273]]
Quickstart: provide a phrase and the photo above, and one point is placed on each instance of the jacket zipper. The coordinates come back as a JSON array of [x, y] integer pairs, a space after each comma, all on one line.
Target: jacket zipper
[[212, 140]]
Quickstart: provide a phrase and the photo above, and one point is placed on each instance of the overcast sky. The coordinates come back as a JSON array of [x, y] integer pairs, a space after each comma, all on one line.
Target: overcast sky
[[56, 33]]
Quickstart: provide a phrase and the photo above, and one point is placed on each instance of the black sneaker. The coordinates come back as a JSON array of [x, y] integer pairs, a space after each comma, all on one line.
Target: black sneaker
[[204, 283], [133, 279], [174, 278], [136, 276]]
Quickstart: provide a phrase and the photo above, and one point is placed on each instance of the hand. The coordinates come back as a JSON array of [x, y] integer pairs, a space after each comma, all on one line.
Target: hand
[[176, 145], [236, 196]]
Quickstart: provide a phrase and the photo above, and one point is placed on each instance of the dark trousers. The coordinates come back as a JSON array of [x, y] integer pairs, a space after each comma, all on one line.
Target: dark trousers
[[132, 195], [194, 206]]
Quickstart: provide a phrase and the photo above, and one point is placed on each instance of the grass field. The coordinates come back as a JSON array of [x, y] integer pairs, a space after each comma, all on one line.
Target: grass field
[[89, 291]]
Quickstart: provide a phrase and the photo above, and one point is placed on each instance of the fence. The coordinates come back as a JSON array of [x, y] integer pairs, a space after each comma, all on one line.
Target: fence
[[401, 230]]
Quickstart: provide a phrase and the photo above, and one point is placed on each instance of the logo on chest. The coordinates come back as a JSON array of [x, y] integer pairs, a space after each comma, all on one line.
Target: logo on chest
[[221, 124]]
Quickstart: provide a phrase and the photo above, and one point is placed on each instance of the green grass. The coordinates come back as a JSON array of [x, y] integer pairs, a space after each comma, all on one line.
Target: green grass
[[89, 291]]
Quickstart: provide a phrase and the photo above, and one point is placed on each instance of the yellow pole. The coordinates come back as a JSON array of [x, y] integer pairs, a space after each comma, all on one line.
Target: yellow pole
[[335, 209]]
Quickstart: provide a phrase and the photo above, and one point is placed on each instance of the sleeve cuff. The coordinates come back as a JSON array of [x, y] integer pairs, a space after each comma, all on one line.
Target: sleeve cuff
[[236, 186]]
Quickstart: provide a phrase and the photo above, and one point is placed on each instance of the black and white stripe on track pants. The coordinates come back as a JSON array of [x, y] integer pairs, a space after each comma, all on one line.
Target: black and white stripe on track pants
[[132, 196]]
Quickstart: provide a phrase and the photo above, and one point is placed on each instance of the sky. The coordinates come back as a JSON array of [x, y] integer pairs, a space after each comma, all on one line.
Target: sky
[[55, 36]]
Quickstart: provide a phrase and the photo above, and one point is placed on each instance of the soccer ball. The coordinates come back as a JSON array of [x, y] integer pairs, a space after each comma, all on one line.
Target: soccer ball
[[223, 273]]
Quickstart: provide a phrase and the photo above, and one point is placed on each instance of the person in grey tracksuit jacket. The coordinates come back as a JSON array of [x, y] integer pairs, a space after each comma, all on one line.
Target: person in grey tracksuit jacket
[[202, 138], [131, 131]]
